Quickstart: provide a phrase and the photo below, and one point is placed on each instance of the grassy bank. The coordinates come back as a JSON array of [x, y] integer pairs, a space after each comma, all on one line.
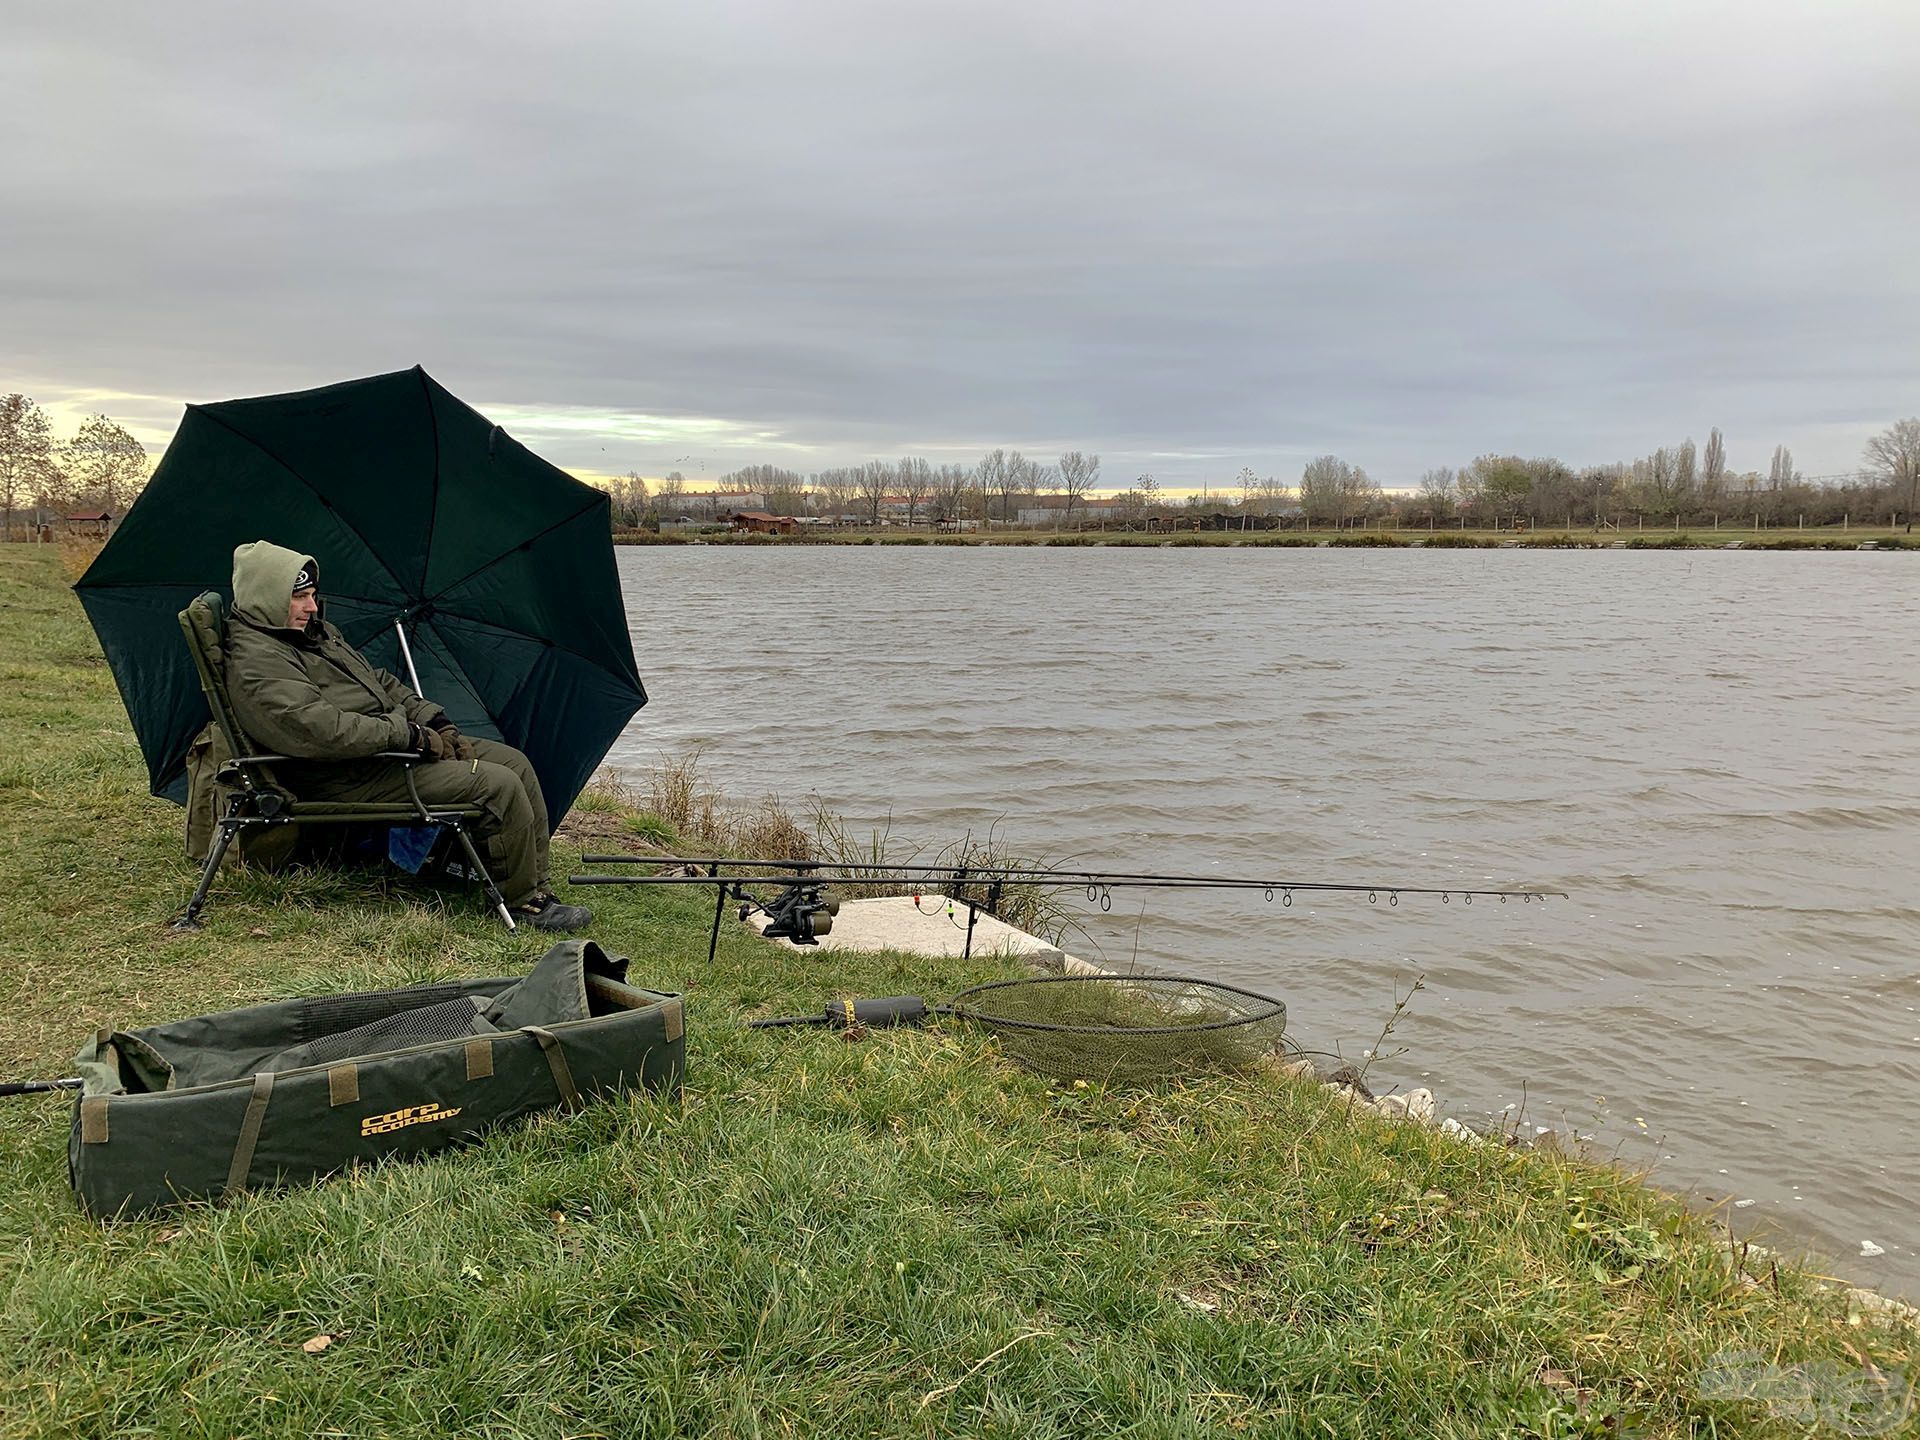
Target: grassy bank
[[1657, 538], [896, 1235]]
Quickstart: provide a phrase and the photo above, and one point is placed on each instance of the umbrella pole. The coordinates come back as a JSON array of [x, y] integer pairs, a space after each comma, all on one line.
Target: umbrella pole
[[406, 654]]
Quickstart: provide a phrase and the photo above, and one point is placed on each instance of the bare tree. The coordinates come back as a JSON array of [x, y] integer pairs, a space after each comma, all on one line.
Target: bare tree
[[914, 479], [1438, 493], [1713, 464], [26, 455], [629, 497], [1148, 489], [1893, 457], [1686, 472], [872, 482], [1249, 484], [1665, 483], [1077, 474], [990, 477], [1504, 483], [1332, 489], [670, 489], [786, 493], [1362, 494], [58, 493], [833, 490], [1781, 474], [1320, 483], [1024, 477], [950, 486], [1598, 486], [785, 490]]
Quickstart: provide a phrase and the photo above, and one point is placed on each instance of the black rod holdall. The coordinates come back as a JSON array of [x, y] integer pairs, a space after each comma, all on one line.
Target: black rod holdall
[[274, 1094]]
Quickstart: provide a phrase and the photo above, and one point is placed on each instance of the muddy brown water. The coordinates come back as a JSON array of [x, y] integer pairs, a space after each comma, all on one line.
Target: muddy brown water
[[1713, 753]]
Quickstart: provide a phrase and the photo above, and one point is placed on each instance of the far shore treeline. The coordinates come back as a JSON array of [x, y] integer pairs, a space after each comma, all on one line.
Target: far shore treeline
[[1682, 484], [92, 476]]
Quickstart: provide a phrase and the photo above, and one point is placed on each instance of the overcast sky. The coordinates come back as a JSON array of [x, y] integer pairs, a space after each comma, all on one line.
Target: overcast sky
[[1189, 237]]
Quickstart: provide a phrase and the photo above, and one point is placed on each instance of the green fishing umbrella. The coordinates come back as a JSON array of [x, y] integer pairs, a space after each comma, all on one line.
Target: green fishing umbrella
[[449, 553]]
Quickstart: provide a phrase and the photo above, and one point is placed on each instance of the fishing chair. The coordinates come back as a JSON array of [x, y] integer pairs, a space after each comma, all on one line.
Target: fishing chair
[[257, 800]]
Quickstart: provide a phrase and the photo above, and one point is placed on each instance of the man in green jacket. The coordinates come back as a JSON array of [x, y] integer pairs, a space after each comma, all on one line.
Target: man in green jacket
[[300, 689]]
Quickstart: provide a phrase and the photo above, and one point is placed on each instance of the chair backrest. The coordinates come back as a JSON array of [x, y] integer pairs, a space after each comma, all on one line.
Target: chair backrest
[[204, 623]]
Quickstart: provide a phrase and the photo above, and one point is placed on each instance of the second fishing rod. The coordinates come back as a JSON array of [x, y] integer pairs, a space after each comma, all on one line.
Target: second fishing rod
[[802, 911]]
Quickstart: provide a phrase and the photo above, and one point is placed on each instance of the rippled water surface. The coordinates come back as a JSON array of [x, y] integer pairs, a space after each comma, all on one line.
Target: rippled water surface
[[1713, 753]]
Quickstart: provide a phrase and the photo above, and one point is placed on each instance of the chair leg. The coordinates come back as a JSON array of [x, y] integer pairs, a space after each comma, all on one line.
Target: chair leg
[[191, 920], [498, 900]]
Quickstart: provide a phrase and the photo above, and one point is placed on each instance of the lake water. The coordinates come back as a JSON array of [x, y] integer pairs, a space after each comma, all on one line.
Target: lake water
[[1713, 753]]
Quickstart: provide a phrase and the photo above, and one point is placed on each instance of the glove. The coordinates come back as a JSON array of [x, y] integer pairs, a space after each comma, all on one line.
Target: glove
[[463, 748], [430, 744]]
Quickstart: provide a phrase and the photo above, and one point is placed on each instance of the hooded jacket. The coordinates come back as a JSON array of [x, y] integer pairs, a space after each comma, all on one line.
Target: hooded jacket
[[307, 693]]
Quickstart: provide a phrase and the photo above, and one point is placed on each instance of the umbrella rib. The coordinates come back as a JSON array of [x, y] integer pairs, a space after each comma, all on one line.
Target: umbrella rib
[[458, 671], [433, 514], [327, 504]]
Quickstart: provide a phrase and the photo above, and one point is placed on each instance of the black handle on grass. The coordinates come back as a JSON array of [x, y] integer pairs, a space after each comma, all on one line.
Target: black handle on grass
[[880, 1013], [36, 1087]]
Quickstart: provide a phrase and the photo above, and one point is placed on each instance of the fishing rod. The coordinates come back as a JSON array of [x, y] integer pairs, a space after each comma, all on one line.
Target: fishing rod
[[876, 873], [802, 912]]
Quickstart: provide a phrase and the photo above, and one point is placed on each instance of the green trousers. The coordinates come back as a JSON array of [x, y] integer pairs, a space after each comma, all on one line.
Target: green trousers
[[501, 782]]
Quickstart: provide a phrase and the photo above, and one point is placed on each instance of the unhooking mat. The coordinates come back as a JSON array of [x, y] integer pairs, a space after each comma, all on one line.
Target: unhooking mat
[[273, 1094]]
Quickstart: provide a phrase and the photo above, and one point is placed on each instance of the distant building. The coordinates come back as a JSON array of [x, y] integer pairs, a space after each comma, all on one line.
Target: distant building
[[89, 522], [759, 522]]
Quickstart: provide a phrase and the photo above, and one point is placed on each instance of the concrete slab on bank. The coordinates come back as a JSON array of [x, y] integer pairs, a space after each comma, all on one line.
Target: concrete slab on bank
[[894, 922]]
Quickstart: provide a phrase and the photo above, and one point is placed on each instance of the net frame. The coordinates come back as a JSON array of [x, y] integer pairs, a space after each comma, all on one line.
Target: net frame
[[1254, 1026]]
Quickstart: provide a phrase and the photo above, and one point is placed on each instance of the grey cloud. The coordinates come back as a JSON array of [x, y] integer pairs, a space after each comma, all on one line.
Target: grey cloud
[[1405, 232]]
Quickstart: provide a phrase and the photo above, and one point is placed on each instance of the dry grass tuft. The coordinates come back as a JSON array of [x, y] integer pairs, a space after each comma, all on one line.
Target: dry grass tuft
[[77, 552], [669, 807]]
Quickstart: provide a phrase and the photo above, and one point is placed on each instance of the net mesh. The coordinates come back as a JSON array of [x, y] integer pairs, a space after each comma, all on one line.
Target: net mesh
[[325, 1015], [448, 1020], [1125, 1029]]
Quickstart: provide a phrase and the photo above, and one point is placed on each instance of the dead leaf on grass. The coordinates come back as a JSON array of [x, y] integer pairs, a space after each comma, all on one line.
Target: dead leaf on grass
[[322, 1341]]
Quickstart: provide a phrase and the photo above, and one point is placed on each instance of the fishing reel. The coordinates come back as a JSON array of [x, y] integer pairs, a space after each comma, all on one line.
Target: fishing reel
[[802, 913]]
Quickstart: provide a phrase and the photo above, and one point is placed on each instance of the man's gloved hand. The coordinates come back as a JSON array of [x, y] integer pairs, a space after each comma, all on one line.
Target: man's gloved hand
[[463, 748], [431, 744]]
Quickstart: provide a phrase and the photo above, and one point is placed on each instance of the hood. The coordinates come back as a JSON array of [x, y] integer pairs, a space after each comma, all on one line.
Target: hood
[[263, 576]]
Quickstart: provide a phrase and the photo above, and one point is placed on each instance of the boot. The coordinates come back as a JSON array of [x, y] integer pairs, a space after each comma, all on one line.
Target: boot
[[547, 912]]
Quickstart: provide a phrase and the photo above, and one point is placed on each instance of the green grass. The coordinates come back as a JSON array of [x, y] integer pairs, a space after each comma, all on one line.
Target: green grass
[[894, 1235]]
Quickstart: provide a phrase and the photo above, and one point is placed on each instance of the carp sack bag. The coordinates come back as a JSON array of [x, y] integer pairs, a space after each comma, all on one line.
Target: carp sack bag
[[273, 1094]]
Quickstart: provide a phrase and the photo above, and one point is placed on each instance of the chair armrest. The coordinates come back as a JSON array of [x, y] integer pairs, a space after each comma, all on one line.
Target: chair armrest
[[407, 756]]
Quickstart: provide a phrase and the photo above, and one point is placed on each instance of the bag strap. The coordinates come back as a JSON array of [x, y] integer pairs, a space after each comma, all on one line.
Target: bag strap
[[250, 1127], [557, 1063]]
